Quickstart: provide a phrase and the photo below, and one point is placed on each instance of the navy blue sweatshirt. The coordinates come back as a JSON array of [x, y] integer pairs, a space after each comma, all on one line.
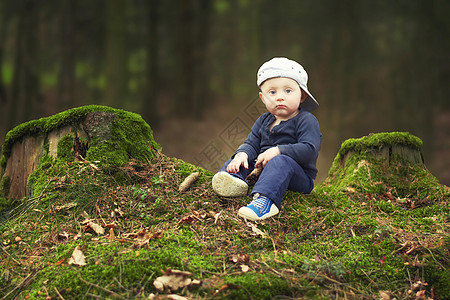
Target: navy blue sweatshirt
[[298, 138]]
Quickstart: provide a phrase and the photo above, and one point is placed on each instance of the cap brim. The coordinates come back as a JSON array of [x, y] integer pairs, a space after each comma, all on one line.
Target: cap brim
[[310, 102]]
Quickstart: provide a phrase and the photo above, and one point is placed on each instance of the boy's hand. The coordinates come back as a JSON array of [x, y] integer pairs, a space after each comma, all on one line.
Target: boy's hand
[[240, 159], [267, 155]]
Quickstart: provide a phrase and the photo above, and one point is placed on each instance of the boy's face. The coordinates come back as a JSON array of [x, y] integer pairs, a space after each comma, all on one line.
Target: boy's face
[[282, 97]]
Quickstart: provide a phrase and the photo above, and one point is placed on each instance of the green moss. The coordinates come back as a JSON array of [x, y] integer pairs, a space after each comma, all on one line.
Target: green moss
[[344, 240], [39, 179], [377, 164], [130, 132], [4, 186], [385, 139], [65, 148]]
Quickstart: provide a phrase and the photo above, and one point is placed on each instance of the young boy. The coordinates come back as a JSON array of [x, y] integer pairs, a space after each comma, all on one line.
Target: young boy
[[285, 142]]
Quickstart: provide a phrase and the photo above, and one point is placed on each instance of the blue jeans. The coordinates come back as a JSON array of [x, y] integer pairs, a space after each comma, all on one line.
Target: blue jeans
[[281, 173]]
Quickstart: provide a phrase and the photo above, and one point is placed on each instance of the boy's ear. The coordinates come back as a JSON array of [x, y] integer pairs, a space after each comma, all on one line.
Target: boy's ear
[[261, 97], [303, 97]]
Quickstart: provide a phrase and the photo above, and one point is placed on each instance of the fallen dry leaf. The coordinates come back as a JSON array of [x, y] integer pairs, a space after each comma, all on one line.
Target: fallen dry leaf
[[176, 297], [143, 237], [172, 280], [111, 236], [240, 258], [187, 220], [215, 216], [257, 231], [244, 268], [62, 236], [226, 286], [421, 294], [384, 295], [77, 257], [99, 230], [350, 190]]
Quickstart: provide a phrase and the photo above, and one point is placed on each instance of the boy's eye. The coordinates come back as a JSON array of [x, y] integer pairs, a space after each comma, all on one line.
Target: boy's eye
[[272, 92], [288, 91]]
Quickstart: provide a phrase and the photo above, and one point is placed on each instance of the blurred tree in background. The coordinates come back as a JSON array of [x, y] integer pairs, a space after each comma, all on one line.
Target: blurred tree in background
[[373, 65]]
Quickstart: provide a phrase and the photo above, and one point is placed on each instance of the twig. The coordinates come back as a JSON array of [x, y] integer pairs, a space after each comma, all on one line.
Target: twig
[[188, 181], [94, 296], [272, 269], [56, 290], [24, 282], [101, 288], [431, 253], [7, 253]]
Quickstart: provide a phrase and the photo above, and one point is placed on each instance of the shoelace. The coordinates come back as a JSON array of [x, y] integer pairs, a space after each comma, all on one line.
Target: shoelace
[[259, 202]]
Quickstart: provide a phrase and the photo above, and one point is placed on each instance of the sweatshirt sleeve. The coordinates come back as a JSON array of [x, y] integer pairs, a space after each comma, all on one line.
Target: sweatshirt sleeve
[[309, 137]]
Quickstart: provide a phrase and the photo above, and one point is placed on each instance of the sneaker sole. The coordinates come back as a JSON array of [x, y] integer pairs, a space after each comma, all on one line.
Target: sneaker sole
[[226, 185], [249, 214]]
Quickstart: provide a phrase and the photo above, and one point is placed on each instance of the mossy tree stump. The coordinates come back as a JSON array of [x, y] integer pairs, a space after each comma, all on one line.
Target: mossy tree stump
[[389, 164], [95, 133]]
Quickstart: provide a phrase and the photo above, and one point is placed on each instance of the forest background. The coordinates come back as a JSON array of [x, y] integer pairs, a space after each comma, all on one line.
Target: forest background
[[189, 67]]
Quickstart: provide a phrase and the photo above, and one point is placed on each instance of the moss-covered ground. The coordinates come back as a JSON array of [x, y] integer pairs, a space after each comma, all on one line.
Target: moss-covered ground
[[364, 238]]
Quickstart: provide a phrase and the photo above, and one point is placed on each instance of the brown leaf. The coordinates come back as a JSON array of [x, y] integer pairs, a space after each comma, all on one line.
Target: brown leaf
[[256, 230], [350, 189], [215, 216], [143, 237], [187, 220], [77, 257], [59, 262], [384, 295], [173, 280], [421, 294], [240, 258], [99, 230], [62, 236], [157, 235], [176, 297], [77, 236], [244, 268], [369, 196], [389, 196], [111, 236]]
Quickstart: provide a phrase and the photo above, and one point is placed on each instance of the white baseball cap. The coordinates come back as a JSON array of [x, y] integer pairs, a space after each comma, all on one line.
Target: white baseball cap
[[284, 67]]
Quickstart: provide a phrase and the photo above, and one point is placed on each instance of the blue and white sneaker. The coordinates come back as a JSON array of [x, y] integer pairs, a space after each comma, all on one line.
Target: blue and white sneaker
[[259, 209], [227, 185]]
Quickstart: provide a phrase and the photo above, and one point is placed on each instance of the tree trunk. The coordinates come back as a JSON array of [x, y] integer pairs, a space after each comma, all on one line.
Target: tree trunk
[[150, 100], [380, 164], [186, 67], [116, 54], [25, 87], [67, 73], [99, 134], [203, 25], [3, 23]]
